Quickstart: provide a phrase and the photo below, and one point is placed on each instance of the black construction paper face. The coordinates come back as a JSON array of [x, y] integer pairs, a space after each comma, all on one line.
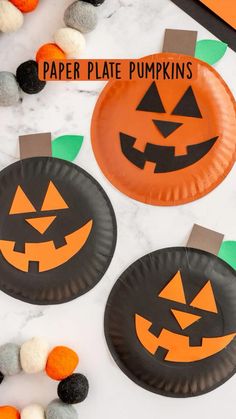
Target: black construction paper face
[[58, 231], [170, 322]]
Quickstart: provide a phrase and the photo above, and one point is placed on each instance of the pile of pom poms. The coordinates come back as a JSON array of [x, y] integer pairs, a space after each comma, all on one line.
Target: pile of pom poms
[[69, 42], [59, 364]]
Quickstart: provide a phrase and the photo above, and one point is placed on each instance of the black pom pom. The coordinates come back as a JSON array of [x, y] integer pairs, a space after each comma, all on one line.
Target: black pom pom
[[95, 2], [1, 378], [73, 389], [27, 77]]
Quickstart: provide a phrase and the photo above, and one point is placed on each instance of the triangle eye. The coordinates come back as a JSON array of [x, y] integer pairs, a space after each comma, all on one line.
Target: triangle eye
[[174, 290], [151, 102], [187, 105], [21, 204], [53, 199], [205, 299]]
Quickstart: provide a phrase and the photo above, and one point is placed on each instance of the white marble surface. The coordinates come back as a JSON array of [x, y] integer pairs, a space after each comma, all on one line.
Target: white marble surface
[[127, 28]]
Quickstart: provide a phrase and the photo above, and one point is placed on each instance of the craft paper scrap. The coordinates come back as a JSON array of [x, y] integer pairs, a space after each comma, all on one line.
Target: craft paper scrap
[[228, 253], [210, 50], [67, 147]]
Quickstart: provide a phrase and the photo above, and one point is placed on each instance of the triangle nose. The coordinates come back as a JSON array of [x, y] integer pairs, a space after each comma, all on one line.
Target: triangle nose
[[41, 224], [166, 127], [184, 319]]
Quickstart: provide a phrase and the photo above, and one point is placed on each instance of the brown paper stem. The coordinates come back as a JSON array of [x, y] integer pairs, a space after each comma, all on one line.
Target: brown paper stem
[[35, 145], [204, 239], [180, 41]]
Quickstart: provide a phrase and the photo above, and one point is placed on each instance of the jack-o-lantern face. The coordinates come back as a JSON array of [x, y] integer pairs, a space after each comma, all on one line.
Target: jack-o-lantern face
[[57, 228], [171, 324], [158, 141], [169, 154], [177, 346]]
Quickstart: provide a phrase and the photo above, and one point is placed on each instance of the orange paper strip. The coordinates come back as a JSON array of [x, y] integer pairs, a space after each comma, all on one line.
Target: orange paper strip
[[225, 9], [167, 67]]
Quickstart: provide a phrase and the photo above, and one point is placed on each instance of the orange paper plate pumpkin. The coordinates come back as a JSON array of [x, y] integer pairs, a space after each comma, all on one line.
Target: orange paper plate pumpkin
[[166, 142]]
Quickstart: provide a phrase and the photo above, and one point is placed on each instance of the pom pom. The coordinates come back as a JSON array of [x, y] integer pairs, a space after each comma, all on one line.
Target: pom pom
[[71, 41], [61, 363], [58, 410], [27, 77], [10, 359], [73, 389], [95, 2], [9, 89], [33, 355], [8, 412], [25, 6], [1, 378], [11, 19], [50, 52], [81, 16], [33, 411]]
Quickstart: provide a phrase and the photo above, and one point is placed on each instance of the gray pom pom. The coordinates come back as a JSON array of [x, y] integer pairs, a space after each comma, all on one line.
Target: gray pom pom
[[58, 410], [9, 89], [81, 16], [10, 359]]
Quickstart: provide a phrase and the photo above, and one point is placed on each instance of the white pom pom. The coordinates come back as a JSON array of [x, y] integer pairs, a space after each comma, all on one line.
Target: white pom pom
[[33, 411], [71, 41], [33, 355], [11, 18]]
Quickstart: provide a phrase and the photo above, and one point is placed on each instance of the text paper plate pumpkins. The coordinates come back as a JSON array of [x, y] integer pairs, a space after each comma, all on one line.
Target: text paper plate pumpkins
[[166, 142], [58, 231], [170, 322]]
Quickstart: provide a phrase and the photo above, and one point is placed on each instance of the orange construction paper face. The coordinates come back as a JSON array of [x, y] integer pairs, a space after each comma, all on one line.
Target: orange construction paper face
[[166, 142], [177, 345], [44, 253]]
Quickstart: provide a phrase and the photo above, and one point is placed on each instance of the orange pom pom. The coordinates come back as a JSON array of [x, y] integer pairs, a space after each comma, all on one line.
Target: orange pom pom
[[50, 52], [61, 363], [8, 412], [25, 6]]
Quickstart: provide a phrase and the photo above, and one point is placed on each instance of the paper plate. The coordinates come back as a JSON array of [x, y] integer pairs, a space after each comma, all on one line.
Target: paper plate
[[58, 231], [166, 142], [170, 322]]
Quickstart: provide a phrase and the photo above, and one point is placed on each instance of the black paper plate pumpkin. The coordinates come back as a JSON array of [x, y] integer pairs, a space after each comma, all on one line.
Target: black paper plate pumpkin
[[58, 231], [166, 142], [170, 322]]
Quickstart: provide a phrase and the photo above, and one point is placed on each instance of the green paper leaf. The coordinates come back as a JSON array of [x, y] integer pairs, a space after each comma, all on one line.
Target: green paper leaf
[[67, 147], [210, 50], [228, 253]]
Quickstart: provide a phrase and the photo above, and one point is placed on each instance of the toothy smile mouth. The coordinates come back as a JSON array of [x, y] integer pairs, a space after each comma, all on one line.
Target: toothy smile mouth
[[177, 346], [163, 156], [45, 255]]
